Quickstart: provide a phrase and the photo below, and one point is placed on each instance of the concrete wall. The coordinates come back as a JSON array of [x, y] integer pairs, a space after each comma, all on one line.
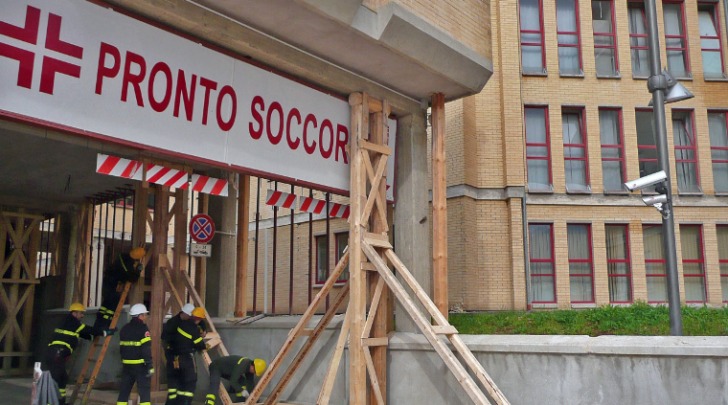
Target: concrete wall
[[601, 370]]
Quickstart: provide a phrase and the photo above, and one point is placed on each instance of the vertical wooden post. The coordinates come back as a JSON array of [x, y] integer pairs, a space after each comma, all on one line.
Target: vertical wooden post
[[159, 248], [241, 288], [357, 277], [179, 258], [439, 205], [379, 225], [139, 233]]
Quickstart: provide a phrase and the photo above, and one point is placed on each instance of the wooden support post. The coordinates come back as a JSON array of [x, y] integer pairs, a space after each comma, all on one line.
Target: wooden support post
[[357, 277], [160, 230], [439, 205], [139, 234], [241, 288], [179, 258]]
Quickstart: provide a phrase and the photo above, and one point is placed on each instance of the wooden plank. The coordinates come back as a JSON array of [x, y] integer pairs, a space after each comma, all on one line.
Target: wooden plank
[[374, 147], [328, 385], [439, 206], [377, 341], [444, 329], [306, 347], [241, 279], [357, 278], [461, 375], [274, 364], [376, 388], [368, 266], [377, 240]]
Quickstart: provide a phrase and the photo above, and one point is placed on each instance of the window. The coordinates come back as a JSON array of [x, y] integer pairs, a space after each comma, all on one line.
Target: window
[[342, 242], [538, 151], [686, 156], [612, 139], [543, 277], [691, 239], [581, 269], [719, 150], [638, 41], [646, 147], [569, 39], [533, 58], [576, 164], [710, 41], [605, 39], [619, 270], [655, 264], [723, 258], [322, 255], [676, 38]]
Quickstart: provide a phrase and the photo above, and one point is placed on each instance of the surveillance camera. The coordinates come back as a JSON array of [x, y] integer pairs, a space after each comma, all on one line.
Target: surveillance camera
[[655, 199], [646, 181]]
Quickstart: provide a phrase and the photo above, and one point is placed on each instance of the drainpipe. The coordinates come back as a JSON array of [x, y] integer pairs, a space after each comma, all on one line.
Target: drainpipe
[[526, 262]]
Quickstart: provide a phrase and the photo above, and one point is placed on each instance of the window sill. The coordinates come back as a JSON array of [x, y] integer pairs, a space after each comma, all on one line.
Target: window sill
[[538, 74], [635, 77], [571, 75], [549, 190], [610, 77], [716, 79], [585, 305], [616, 192], [721, 193], [545, 306], [579, 192], [690, 193]]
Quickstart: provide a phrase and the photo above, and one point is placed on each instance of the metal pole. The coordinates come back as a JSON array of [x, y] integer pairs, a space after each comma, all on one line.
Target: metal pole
[[657, 85]]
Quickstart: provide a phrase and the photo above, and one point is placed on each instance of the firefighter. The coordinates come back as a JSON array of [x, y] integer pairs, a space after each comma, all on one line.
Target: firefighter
[[240, 371], [64, 342], [126, 267], [182, 340], [136, 357]]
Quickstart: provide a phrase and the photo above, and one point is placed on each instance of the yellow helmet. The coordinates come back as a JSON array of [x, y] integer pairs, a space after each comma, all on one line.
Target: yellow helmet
[[259, 366], [77, 306], [199, 312], [137, 253]]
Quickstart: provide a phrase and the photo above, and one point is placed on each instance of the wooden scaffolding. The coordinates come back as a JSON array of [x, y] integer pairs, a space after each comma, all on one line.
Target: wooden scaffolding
[[371, 280]]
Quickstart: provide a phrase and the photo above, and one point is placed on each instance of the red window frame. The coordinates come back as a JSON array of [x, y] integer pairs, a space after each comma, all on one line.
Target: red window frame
[[723, 261], [625, 260], [640, 5], [579, 111], [550, 260], [700, 260], [576, 33], [343, 278], [541, 32], [646, 148], [714, 149], [588, 260], [712, 7], [612, 35], [619, 147], [684, 49], [661, 261], [546, 143], [690, 115]]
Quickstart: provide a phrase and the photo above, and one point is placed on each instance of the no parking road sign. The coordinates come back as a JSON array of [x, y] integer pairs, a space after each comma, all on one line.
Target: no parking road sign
[[202, 229]]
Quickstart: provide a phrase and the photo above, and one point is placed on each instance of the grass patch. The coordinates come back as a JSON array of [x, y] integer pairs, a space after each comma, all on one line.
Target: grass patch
[[639, 319]]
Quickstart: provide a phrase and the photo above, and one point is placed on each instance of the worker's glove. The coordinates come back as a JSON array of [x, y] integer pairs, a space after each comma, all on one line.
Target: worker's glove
[[150, 372], [245, 394], [109, 332]]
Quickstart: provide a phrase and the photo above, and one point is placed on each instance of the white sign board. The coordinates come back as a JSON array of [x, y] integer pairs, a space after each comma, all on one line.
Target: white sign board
[[81, 67], [200, 250]]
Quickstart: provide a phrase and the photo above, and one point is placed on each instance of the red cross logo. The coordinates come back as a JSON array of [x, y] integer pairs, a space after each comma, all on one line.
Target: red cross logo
[[26, 59]]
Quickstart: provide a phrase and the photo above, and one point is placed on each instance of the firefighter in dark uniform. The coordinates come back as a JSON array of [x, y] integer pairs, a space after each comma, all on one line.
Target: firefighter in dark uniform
[[239, 371], [126, 267], [182, 339], [64, 342], [136, 357]]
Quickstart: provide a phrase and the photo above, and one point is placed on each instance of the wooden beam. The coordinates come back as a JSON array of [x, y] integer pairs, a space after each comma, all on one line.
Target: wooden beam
[[439, 206], [241, 288], [328, 386]]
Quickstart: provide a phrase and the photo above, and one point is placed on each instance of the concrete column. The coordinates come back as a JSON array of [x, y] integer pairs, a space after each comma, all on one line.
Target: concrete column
[[221, 270], [412, 231]]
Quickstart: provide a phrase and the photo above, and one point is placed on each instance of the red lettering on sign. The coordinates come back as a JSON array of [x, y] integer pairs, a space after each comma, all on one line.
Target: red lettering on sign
[[185, 94], [293, 144], [160, 67], [256, 108], [133, 78], [275, 138], [208, 85], [104, 71], [226, 91], [310, 148]]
